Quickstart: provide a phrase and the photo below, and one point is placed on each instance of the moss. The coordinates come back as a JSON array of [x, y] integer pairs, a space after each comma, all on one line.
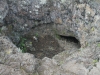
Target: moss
[[56, 34], [10, 27], [61, 62], [22, 44], [77, 21], [95, 61], [35, 73], [92, 29], [86, 44], [36, 35], [98, 44], [63, 32]]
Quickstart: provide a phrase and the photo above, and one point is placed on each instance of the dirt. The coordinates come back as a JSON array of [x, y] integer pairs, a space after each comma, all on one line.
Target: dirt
[[43, 42], [45, 45]]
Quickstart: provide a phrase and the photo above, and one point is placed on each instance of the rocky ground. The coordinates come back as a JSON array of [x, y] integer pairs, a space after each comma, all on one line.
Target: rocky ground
[[49, 37]]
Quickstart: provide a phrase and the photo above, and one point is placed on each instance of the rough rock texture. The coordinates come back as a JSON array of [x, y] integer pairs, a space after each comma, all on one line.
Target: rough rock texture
[[80, 63], [13, 62], [3, 10], [78, 18]]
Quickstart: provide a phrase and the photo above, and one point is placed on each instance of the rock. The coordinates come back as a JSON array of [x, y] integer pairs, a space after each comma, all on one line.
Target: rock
[[72, 18], [94, 71], [3, 10], [6, 46], [47, 67], [26, 61], [13, 61], [20, 62], [74, 67], [76, 18], [7, 70], [98, 65], [50, 67]]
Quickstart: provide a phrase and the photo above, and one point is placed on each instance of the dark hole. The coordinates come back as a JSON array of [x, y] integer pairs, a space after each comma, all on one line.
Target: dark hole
[[45, 45], [71, 39]]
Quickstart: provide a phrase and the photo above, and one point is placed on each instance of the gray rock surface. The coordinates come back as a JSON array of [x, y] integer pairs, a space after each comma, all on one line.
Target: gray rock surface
[[3, 10], [77, 18], [13, 62]]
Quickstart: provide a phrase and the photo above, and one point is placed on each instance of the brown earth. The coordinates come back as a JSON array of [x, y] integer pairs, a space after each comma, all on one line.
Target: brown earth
[[43, 42]]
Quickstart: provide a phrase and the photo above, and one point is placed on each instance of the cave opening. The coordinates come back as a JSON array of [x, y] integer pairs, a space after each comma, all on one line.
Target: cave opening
[[71, 40], [47, 45]]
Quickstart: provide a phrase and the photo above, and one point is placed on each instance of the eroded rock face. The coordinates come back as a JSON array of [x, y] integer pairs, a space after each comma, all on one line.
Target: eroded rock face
[[13, 62], [78, 18], [3, 10]]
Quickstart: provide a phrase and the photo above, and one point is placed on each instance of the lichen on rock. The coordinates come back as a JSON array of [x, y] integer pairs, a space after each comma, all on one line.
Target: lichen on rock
[[35, 19]]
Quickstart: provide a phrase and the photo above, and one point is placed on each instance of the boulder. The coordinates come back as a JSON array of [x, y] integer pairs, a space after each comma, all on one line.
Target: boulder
[[77, 18]]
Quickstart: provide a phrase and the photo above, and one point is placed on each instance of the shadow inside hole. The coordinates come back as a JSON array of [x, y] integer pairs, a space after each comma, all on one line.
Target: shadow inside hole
[[71, 39], [44, 46]]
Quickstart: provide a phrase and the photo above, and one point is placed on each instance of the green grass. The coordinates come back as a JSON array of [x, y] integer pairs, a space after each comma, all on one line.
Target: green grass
[[98, 44], [95, 61], [22, 44], [56, 34], [36, 35]]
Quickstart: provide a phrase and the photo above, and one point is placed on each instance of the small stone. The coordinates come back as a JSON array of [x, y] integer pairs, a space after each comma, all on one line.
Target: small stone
[[94, 71], [26, 25], [58, 21], [30, 11], [43, 1], [37, 6]]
